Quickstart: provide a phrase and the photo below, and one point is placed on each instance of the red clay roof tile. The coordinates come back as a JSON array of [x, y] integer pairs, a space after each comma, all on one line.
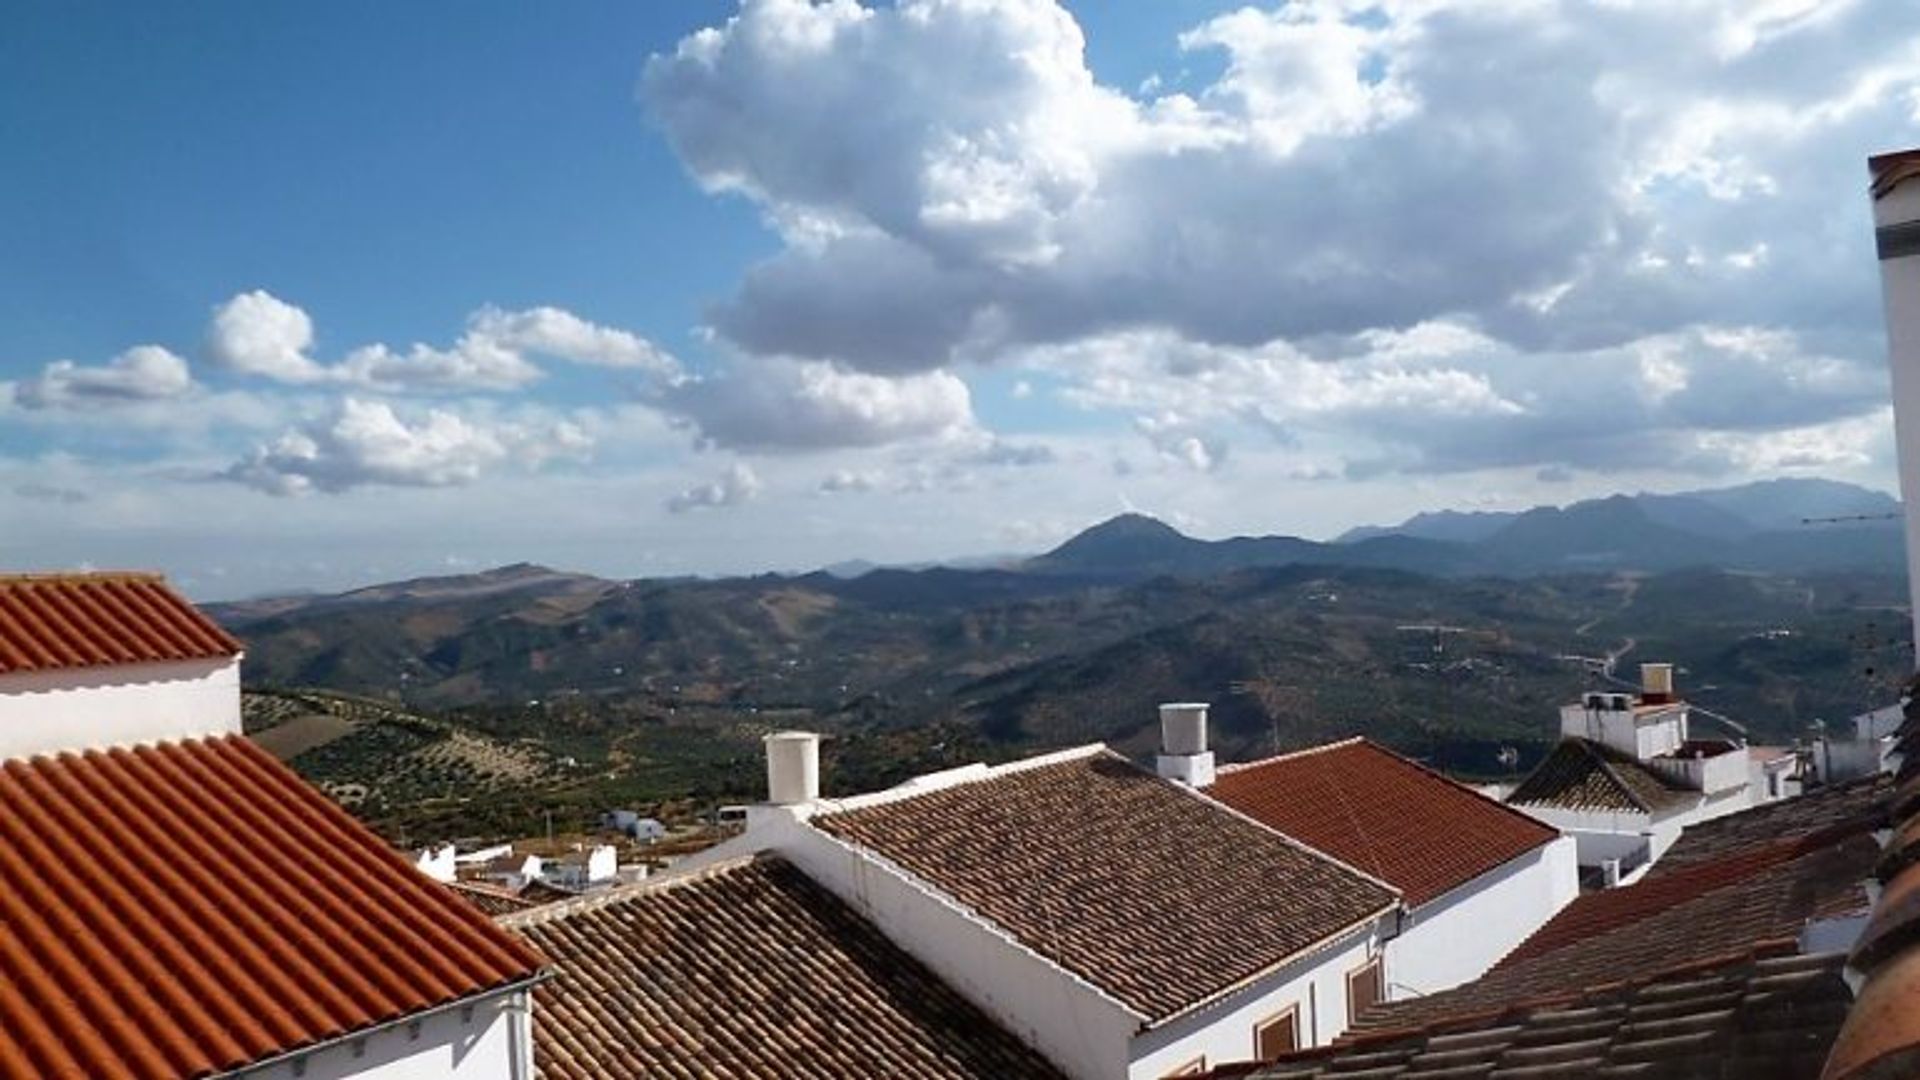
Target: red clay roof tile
[[1371, 808], [184, 909], [51, 621]]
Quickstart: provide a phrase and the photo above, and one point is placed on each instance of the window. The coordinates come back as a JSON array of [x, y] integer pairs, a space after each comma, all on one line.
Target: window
[[1366, 986], [1196, 1067], [1278, 1034]]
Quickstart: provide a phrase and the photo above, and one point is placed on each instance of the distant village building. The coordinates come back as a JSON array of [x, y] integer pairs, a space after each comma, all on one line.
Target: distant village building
[[176, 903], [631, 824], [1628, 775]]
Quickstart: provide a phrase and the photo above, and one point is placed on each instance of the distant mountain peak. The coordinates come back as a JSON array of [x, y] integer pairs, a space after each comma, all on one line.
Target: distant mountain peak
[[1131, 524]]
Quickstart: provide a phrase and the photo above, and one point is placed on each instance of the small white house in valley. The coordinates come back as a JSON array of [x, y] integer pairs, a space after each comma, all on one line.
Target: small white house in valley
[[176, 903], [1122, 923], [1477, 877], [1627, 776]]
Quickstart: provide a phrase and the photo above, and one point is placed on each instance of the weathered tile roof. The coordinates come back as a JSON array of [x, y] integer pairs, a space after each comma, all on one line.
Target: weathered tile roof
[[491, 899], [188, 908], [1822, 808], [1769, 1015], [1160, 897], [1707, 911], [1371, 808], [50, 621], [746, 970], [1881, 1039], [1585, 775]]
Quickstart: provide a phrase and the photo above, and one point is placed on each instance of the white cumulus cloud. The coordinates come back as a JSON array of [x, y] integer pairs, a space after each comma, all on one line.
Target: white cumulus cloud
[[367, 443], [144, 373], [257, 333], [737, 485]]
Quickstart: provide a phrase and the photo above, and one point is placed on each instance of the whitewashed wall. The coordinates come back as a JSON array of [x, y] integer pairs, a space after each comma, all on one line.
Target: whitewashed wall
[[491, 1041], [1317, 984], [1075, 1025], [43, 712], [1900, 292], [1455, 938]]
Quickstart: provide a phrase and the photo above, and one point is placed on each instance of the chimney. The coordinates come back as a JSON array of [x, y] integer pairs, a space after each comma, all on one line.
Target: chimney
[[1896, 234], [1184, 757], [793, 767], [1656, 684]]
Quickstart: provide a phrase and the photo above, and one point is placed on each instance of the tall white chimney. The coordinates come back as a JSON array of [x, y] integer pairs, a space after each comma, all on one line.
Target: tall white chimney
[[793, 767], [1184, 757], [1896, 233]]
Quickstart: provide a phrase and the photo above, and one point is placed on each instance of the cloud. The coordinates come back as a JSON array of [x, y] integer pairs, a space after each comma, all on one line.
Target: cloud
[[50, 493], [367, 444], [845, 481], [735, 486], [949, 178], [1000, 451], [781, 404], [258, 334], [1406, 236], [144, 373]]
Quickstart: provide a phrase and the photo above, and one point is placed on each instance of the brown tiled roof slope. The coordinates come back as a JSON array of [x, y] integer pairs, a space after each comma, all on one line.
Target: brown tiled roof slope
[[1585, 775], [1156, 895], [50, 621], [185, 909], [1819, 809], [491, 899], [1767, 1016], [1368, 806], [1709, 911], [746, 970], [1881, 1039]]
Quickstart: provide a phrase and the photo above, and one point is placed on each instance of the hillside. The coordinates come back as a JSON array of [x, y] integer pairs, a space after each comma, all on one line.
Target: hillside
[[660, 691]]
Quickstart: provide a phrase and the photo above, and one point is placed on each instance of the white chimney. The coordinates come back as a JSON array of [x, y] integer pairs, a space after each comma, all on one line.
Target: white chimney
[[1656, 683], [1896, 233], [793, 767], [1184, 757]]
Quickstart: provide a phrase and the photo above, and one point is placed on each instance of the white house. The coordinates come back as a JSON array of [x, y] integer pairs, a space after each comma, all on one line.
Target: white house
[[1627, 776], [1477, 877], [116, 659], [1121, 923], [175, 902]]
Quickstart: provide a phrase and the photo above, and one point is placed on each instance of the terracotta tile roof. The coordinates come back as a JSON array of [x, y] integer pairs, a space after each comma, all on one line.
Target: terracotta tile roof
[[491, 899], [1710, 910], [1585, 775], [1881, 1038], [1371, 808], [1768, 1015], [747, 969], [1160, 897], [50, 621], [188, 908]]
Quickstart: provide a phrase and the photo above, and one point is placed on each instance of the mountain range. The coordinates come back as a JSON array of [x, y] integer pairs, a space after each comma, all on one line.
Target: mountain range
[[1773, 526], [574, 691]]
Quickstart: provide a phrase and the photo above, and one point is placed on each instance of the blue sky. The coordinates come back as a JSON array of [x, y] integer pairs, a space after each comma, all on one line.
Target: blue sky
[[703, 287]]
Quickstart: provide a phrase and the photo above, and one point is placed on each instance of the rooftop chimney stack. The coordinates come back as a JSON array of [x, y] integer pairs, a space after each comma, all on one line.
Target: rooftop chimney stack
[[793, 767], [1896, 234], [1184, 757], [1656, 684]]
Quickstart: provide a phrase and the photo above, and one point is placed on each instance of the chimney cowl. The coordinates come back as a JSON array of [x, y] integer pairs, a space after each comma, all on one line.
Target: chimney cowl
[[1656, 684], [1184, 757], [793, 767]]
